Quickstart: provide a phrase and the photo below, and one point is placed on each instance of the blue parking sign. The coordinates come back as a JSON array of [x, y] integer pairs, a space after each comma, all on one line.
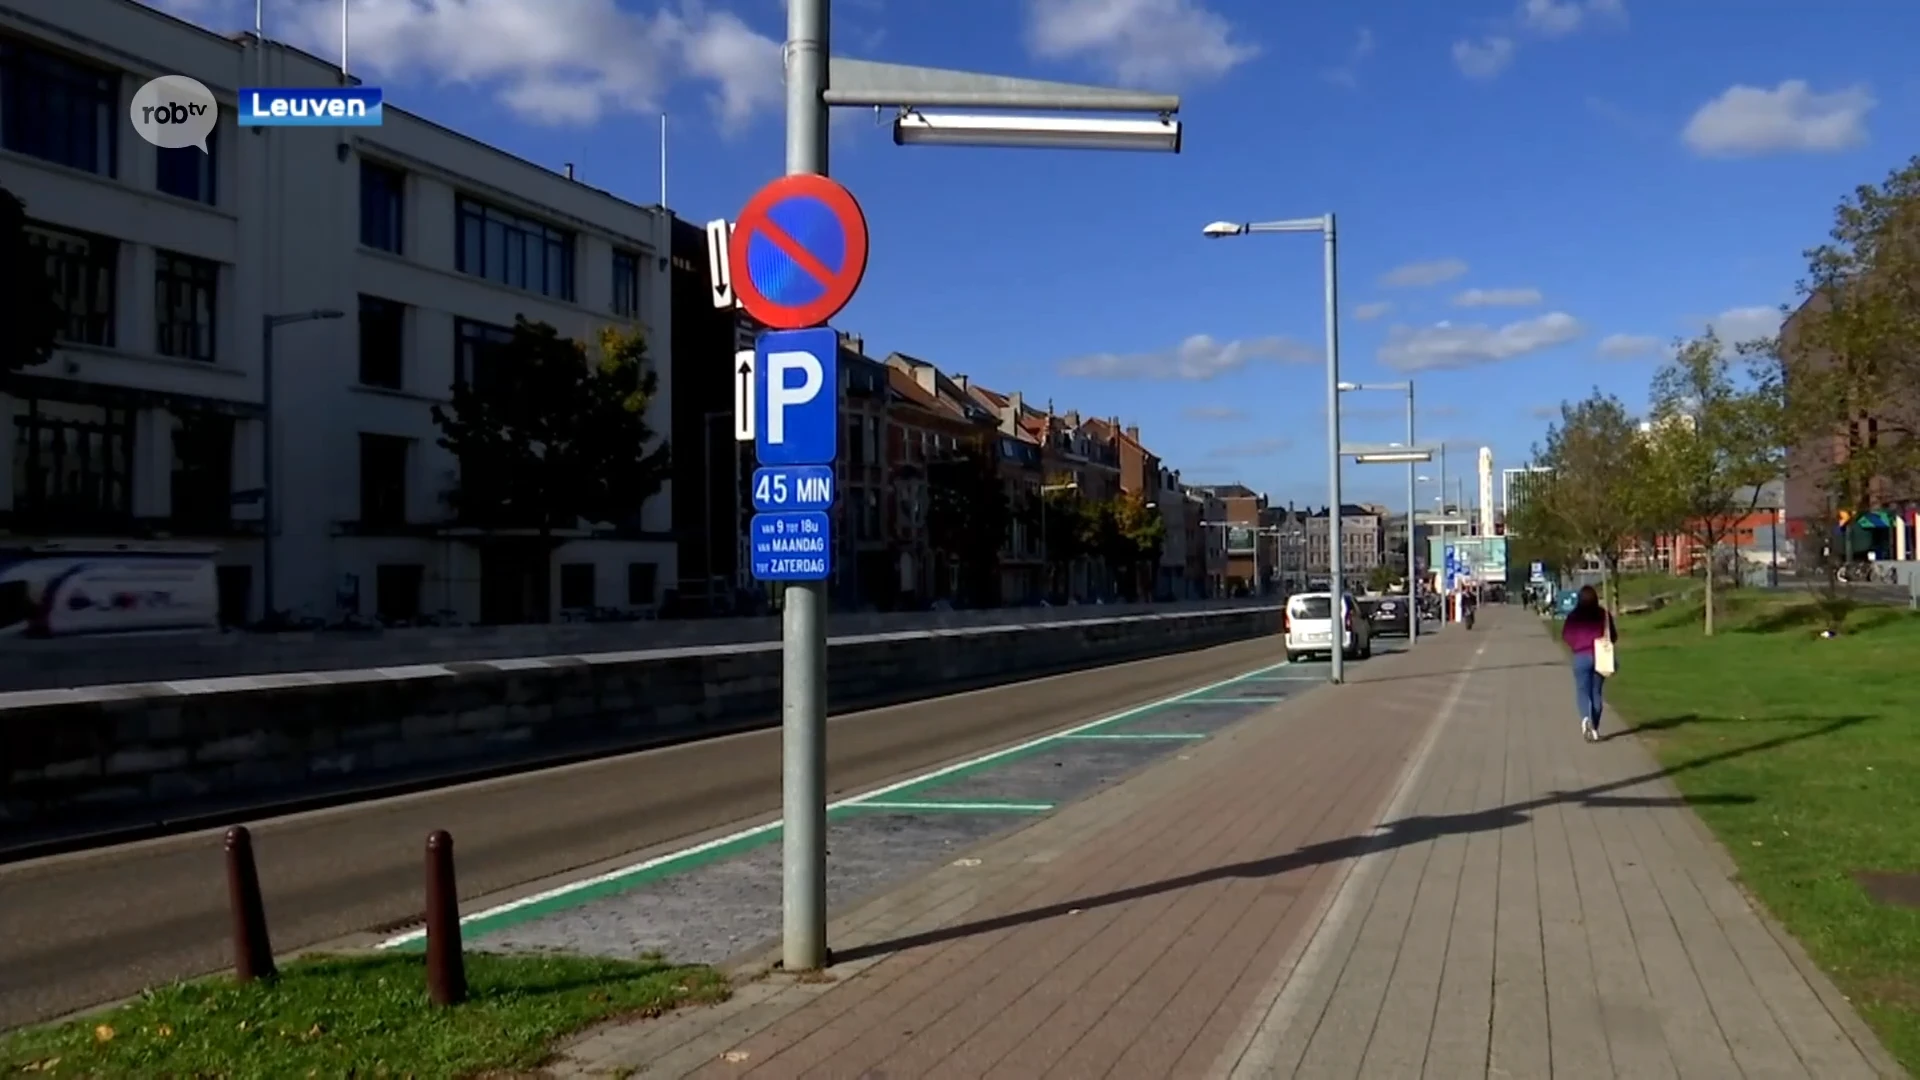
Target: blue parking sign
[[798, 397]]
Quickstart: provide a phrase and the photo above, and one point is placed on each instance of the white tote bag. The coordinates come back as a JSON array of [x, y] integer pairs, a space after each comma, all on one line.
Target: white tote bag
[[1605, 663]]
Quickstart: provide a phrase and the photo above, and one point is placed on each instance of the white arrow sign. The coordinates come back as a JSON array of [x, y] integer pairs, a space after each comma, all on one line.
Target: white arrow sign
[[719, 239], [743, 396]]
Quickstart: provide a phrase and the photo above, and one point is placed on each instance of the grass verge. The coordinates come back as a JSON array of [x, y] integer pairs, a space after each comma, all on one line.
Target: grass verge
[[361, 1016], [1822, 735]]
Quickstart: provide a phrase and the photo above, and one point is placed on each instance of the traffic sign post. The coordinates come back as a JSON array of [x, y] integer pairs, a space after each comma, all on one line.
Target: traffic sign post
[[798, 252]]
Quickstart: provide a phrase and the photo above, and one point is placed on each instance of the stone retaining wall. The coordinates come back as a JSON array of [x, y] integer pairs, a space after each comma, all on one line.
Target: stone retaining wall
[[131, 755]]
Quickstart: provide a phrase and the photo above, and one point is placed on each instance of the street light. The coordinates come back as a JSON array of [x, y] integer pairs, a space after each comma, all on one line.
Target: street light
[[1413, 508], [1323, 225], [268, 324], [915, 128], [1046, 552]]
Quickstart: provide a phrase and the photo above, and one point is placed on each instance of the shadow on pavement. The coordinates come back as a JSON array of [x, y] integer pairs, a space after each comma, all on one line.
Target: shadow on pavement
[[1396, 834]]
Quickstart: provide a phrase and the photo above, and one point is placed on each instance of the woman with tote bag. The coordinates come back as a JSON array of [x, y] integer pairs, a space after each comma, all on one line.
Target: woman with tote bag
[[1589, 632]]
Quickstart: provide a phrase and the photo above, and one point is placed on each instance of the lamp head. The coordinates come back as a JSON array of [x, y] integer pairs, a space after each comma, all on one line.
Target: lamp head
[[1223, 228], [1347, 387]]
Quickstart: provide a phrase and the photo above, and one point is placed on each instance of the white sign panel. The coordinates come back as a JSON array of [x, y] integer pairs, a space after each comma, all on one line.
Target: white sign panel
[[743, 397], [719, 239]]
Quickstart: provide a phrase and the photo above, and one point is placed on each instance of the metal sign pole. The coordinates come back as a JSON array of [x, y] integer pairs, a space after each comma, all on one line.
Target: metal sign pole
[[803, 675]]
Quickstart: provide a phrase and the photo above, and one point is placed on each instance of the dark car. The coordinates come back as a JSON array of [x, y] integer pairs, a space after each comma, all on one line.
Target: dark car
[[1387, 616]]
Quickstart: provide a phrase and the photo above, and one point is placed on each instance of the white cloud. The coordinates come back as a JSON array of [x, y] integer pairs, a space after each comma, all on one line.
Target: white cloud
[[1213, 412], [1139, 41], [1498, 298], [1415, 275], [1370, 312], [1198, 358], [1790, 118], [1743, 324], [1628, 346], [1348, 73], [1558, 18], [600, 58], [1253, 448], [1446, 346], [1483, 59]]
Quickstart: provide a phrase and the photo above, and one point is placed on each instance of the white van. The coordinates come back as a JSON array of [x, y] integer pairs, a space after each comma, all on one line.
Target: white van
[[57, 591], [1310, 627]]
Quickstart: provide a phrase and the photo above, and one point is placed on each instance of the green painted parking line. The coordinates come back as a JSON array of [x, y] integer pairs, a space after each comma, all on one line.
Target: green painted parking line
[[573, 894], [957, 807], [1123, 736]]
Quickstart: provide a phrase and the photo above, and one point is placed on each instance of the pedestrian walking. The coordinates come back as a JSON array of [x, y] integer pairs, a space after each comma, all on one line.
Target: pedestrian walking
[[1589, 632]]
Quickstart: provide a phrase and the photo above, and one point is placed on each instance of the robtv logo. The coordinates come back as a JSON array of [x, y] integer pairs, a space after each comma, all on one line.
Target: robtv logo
[[357, 106], [173, 112]]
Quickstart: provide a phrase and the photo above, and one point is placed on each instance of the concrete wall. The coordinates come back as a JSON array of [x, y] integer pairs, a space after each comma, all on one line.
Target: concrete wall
[[127, 756], [78, 661]]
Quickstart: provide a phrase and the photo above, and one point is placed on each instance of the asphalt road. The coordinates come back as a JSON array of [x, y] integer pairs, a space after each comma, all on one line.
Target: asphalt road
[[80, 929]]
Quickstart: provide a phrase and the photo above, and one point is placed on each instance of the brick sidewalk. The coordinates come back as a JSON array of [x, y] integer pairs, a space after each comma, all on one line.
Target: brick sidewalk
[[1536, 907]]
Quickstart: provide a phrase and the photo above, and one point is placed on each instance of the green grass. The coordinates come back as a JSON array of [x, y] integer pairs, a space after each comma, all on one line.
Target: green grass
[[362, 1016], [1823, 736]]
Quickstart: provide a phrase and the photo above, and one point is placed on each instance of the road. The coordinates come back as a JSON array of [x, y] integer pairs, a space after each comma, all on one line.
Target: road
[[80, 929]]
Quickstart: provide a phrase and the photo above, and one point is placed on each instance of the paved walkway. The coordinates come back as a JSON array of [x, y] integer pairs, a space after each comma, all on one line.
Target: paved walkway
[[1423, 873]]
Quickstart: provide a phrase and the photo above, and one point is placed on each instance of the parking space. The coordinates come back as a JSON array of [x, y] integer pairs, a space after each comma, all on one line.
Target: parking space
[[711, 902]]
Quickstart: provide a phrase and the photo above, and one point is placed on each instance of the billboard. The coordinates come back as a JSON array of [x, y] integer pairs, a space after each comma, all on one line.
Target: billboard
[[1477, 560], [1240, 539]]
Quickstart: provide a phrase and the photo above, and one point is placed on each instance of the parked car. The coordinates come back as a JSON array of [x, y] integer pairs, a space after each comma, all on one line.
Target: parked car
[[1311, 629], [1387, 616]]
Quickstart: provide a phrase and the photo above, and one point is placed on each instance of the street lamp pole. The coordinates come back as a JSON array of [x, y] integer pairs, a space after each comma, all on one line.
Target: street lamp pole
[[1413, 533], [1324, 225], [268, 459]]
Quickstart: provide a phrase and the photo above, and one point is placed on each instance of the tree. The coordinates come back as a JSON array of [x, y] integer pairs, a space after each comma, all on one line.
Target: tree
[[33, 310], [1714, 440], [1382, 578], [968, 519], [548, 437], [1139, 536], [1595, 454], [1069, 528]]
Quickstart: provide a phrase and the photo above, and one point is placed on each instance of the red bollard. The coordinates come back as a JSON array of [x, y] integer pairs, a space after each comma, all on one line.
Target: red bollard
[[446, 967], [252, 953]]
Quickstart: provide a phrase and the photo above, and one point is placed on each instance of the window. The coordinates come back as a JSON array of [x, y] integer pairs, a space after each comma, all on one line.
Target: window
[[626, 284], [73, 461], [382, 342], [476, 346], [202, 481], [513, 250], [187, 172], [383, 480], [382, 206], [57, 110], [396, 591], [576, 585], [642, 583], [83, 270], [183, 305]]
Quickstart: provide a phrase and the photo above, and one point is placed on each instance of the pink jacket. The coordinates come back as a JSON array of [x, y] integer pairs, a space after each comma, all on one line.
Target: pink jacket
[[1580, 634]]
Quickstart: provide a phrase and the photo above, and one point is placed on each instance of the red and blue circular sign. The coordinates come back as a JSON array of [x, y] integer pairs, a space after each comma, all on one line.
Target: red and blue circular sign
[[798, 253]]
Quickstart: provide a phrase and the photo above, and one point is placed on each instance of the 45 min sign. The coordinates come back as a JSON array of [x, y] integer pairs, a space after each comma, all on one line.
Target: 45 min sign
[[792, 487]]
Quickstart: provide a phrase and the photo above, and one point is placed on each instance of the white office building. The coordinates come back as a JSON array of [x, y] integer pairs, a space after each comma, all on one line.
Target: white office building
[[149, 425]]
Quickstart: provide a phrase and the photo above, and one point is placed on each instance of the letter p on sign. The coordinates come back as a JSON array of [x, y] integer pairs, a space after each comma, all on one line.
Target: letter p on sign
[[781, 394]]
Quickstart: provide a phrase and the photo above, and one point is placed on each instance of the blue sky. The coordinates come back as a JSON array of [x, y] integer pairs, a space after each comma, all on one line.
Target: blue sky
[[1534, 196]]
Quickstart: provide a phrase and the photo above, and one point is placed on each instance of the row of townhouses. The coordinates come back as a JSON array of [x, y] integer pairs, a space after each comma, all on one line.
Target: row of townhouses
[[264, 330]]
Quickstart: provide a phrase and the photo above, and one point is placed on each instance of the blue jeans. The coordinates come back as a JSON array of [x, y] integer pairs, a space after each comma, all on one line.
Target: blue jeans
[[1588, 686]]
